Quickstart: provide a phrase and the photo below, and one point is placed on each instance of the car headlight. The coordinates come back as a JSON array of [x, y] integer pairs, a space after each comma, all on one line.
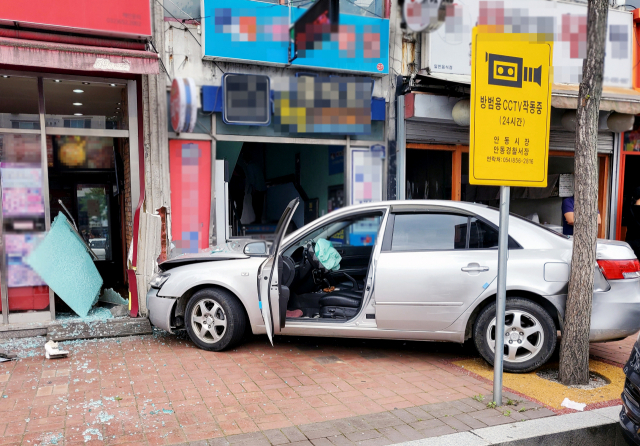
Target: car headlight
[[157, 280]]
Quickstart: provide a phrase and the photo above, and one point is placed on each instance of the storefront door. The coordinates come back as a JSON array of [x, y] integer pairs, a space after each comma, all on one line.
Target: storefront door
[[63, 146]]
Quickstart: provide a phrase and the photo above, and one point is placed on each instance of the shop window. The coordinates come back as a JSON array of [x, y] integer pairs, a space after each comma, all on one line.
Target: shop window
[[419, 232], [85, 105], [94, 219], [19, 104]]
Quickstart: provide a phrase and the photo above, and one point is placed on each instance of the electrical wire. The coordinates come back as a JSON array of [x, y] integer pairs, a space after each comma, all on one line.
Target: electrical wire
[[160, 60], [182, 11], [181, 21]]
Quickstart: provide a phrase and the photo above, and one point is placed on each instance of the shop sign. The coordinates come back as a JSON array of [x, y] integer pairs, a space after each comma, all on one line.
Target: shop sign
[[564, 23], [190, 181], [254, 32], [307, 104], [124, 18], [184, 105], [366, 176], [336, 160], [510, 110], [246, 99]]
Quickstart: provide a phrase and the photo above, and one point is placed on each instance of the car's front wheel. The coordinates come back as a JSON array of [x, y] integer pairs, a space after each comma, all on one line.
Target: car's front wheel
[[529, 337], [214, 319]]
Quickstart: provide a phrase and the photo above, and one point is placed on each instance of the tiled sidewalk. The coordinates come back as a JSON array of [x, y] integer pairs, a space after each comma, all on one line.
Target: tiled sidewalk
[[385, 428], [616, 352], [152, 390]]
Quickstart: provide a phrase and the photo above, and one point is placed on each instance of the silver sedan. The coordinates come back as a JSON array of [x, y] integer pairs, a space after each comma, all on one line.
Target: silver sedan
[[410, 270]]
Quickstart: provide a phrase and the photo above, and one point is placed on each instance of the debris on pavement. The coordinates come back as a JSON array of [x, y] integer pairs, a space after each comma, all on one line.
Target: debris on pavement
[[64, 263], [52, 351], [573, 405]]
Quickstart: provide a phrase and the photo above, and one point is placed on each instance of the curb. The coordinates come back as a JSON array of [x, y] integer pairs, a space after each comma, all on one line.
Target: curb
[[598, 427]]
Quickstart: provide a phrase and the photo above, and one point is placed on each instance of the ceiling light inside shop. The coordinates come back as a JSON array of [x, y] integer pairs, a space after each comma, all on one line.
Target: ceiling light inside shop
[[77, 114], [77, 90], [77, 103], [85, 83], [117, 108], [5, 76], [57, 80], [113, 85]]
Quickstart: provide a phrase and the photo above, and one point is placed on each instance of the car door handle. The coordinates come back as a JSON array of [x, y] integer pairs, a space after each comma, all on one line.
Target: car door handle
[[474, 269]]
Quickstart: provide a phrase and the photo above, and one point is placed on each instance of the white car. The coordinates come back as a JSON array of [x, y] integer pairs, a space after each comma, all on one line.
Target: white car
[[412, 270]]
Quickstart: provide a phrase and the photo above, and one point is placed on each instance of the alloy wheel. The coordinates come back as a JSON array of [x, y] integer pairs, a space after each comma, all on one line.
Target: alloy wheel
[[209, 321], [523, 337]]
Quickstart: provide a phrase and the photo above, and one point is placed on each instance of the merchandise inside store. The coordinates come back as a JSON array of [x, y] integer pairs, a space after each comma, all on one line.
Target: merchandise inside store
[[264, 177], [442, 173], [64, 151]]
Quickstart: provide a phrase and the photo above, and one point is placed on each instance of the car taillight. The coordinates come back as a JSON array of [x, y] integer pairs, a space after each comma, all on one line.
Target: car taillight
[[620, 269]]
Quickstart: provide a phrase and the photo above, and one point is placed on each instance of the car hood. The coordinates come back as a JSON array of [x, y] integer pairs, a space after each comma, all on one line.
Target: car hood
[[233, 250]]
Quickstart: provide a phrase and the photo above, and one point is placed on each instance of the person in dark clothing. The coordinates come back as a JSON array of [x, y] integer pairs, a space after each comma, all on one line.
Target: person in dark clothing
[[632, 222], [568, 216]]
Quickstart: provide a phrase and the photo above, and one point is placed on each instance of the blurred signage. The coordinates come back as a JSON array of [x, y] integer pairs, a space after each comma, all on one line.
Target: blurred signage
[[366, 176], [424, 15], [190, 181], [336, 160], [510, 109], [247, 99], [563, 23], [124, 18], [184, 105], [249, 31], [310, 104], [322, 18]]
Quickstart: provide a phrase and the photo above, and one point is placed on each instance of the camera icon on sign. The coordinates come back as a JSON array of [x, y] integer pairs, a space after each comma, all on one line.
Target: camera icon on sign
[[509, 71]]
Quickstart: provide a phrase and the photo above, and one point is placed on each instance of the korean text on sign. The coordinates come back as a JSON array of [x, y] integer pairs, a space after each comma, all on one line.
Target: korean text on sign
[[510, 106]]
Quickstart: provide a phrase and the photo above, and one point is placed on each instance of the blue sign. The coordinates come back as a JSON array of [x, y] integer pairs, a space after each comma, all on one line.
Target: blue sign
[[251, 31], [336, 159]]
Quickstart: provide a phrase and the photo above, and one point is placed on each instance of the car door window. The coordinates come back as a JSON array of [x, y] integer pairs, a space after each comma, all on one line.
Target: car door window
[[360, 232], [419, 232], [481, 235]]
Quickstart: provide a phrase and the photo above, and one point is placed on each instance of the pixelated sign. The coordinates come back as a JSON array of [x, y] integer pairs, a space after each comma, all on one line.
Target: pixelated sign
[[561, 22], [310, 104], [366, 176], [190, 181], [247, 99], [510, 109], [250, 31]]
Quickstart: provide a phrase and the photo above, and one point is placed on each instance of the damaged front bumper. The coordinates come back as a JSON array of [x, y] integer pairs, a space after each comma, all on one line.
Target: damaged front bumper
[[160, 309]]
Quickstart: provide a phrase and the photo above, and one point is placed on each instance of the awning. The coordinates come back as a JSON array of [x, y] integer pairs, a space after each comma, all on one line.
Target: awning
[[76, 57], [621, 100]]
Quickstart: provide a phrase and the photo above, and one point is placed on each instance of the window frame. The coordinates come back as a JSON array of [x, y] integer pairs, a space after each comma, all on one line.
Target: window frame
[[387, 241]]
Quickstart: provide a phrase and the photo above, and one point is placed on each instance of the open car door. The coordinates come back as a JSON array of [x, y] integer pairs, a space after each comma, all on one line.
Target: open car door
[[270, 293]]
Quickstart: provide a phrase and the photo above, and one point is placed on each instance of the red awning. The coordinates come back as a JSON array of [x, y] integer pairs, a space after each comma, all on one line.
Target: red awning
[[76, 57]]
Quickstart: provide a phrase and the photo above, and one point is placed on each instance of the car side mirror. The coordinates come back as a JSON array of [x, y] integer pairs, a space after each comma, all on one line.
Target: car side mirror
[[255, 248]]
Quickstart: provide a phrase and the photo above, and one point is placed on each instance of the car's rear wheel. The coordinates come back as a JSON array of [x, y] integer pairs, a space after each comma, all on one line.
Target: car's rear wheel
[[529, 338], [214, 319]]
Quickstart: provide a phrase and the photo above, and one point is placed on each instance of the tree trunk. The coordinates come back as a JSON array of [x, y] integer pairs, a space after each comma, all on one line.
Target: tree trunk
[[574, 347]]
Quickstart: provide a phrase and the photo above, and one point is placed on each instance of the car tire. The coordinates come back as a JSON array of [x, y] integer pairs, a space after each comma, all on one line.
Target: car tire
[[530, 335], [215, 319]]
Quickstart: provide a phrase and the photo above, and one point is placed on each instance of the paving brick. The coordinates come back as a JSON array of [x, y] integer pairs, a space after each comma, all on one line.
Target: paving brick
[[438, 431], [363, 435], [340, 440], [293, 434], [275, 437], [496, 420], [538, 413], [426, 424], [467, 419]]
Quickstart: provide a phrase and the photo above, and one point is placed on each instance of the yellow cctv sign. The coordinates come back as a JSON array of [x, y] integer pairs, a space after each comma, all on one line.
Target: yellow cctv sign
[[510, 108]]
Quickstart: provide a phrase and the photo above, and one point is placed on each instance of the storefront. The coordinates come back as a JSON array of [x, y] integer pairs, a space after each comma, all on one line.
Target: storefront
[[256, 166], [437, 167], [70, 123]]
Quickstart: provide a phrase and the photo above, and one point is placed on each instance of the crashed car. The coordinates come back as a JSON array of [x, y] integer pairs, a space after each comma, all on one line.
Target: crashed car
[[410, 270]]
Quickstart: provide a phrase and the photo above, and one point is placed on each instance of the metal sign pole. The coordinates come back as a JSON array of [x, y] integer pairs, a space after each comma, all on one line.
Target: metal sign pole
[[501, 297]]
